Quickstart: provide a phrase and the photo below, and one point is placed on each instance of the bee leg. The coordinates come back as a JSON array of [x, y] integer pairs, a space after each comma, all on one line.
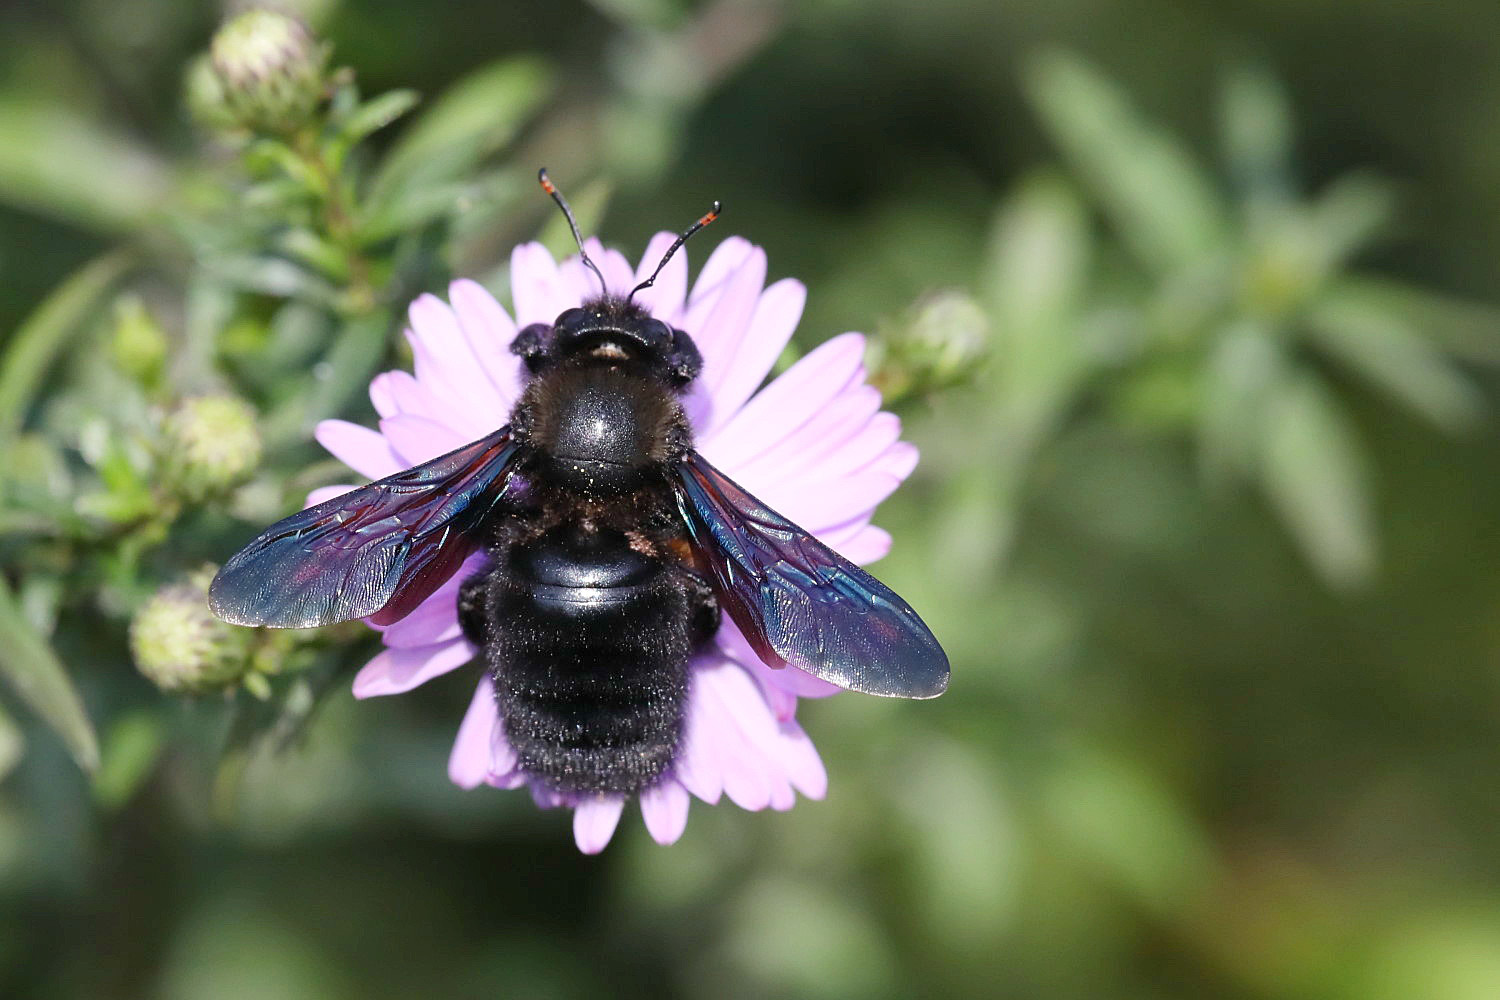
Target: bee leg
[[471, 614], [703, 607]]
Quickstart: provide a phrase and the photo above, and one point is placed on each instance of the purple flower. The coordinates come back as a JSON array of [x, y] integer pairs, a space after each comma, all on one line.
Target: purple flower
[[812, 444]]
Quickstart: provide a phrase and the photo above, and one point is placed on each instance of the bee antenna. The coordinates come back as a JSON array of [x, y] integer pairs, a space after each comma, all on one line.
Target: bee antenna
[[713, 213], [562, 203]]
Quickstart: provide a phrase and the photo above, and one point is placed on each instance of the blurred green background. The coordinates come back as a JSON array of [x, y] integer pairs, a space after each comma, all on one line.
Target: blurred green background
[[1189, 306]]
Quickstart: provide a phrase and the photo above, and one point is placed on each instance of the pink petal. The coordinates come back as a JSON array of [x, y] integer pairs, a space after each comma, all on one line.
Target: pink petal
[[761, 343], [803, 765], [718, 333], [697, 765], [322, 493], [584, 284], [448, 369], [817, 505], [469, 763], [840, 422], [864, 545], [594, 822], [664, 807], [721, 264], [418, 439], [537, 289], [489, 330], [503, 760], [790, 401], [403, 394], [746, 780], [395, 671], [435, 620], [663, 299], [546, 798], [360, 448], [381, 396], [899, 460], [788, 679]]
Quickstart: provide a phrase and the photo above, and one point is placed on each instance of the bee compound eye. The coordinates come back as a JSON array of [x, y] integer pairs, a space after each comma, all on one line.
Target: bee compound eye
[[533, 343], [658, 335]]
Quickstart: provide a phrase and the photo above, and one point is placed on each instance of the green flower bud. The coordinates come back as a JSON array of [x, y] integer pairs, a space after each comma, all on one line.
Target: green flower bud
[[211, 444], [271, 69], [948, 335], [181, 647], [939, 342], [139, 344], [203, 93]]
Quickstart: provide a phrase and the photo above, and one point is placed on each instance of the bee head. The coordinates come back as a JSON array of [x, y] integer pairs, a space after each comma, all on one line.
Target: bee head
[[612, 330]]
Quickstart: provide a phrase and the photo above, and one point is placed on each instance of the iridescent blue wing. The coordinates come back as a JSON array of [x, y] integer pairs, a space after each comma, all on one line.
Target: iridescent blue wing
[[376, 552], [799, 602]]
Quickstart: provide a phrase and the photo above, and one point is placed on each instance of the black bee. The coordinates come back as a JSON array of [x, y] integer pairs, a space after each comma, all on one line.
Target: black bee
[[613, 549]]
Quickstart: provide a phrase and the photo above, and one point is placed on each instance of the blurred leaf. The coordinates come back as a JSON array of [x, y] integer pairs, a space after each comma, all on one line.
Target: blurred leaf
[[131, 749], [31, 667], [589, 203], [1037, 267], [1158, 197], [57, 162], [12, 744], [44, 334], [1255, 129], [272, 276], [349, 366], [1379, 346], [1117, 815], [1314, 472], [374, 115], [1244, 365], [1466, 329], [472, 119], [1347, 214]]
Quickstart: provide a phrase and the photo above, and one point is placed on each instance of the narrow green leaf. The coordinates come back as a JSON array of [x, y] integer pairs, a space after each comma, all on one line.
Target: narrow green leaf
[[33, 670], [1348, 214], [45, 333], [1313, 470], [1380, 347], [12, 744], [1245, 364], [589, 204], [1255, 132], [1164, 206], [1461, 328], [56, 161], [132, 747], [376, 113], [472, 119], [1039, 256]]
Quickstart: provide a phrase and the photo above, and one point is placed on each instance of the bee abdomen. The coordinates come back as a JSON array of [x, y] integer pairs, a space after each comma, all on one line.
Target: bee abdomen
[[588, 645]]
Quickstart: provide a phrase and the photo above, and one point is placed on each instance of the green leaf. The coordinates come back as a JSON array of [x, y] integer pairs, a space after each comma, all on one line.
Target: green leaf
[[1463, 329], [33, 670], [375, 114], [45, 333], [1348, 214], [1255, 132], [589, 204], [1245, 364], [55, 161], [1157, 195], [1313, 470], [1040, 250], [475, 117], [1381, 347], [132, 747], [12, 744]]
